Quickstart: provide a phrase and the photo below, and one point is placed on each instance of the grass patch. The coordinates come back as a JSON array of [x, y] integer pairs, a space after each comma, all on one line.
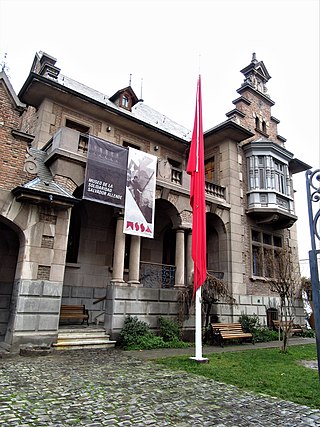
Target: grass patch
[[264, 371]]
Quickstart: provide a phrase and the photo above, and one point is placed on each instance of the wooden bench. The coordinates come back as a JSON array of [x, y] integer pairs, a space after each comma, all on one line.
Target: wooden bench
[[74, 312], [229, 331], [289, 325]]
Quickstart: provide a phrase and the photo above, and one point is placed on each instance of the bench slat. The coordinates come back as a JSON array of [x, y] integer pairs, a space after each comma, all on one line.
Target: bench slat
[[293, 328], [74, 312], [229, 331]]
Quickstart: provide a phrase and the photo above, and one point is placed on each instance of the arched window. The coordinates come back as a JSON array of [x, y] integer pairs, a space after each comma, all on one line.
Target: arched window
[[257, 123], [264, 126]]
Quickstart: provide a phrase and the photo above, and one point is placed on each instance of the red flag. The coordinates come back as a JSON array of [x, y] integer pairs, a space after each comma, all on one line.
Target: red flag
[[195, 168]]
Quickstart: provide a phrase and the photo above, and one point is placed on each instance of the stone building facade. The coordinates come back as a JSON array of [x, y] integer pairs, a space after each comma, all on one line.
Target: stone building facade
[[57, 247]]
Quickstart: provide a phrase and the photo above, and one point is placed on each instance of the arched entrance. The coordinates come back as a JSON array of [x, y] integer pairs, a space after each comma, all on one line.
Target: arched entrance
[[9, 249], [158, 254], [217, 255]]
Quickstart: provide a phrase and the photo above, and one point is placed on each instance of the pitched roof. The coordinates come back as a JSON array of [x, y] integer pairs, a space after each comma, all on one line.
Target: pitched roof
[[140, 110], [44, 182], [17, 103]]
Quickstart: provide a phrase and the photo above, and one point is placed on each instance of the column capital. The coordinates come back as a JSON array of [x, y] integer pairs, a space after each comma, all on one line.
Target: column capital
[[119, 213]]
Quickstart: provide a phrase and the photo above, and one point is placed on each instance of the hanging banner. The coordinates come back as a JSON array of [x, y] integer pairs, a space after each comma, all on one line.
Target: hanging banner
[[140, 194], [106, 172]]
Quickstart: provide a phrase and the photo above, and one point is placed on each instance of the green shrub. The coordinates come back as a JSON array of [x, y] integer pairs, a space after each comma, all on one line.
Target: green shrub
[[132, 330], [136, 335], [260, 333], [264, 334], [169, 329], [147, 342], [249, 323], [309, 333]]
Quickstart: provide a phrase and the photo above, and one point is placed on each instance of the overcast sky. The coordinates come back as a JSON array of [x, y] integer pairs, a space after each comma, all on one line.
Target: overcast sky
[[164, 44]]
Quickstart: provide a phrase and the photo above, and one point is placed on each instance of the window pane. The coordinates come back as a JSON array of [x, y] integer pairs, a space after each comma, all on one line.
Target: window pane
[[277, 241], [265, 248], [268, 262], [209, 169], [256, 261], [262, 179], [256, 236], [125, 101], [267, 239]]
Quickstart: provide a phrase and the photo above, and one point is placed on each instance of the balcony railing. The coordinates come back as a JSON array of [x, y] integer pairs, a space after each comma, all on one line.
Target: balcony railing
[[176, 175], [83, 143], [72, 141], [157, 276], [215, 190]]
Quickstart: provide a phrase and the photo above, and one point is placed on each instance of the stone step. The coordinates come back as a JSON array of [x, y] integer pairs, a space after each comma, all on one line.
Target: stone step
[[83, 336], [76, 345], [88, 329], [87, 343], [77, 337]]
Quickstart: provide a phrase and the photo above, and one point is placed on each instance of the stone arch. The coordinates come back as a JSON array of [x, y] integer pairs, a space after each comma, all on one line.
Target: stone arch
[[161, 249], [93, 226], [10, 238], [217, 247]]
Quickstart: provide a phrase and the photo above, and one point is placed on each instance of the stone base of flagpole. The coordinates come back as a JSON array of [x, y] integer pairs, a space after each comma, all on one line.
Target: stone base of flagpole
[[200, 360]]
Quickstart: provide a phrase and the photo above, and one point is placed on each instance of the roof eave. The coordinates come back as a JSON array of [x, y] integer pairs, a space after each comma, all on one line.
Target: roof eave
[[23, 194], [239, 133], [33, 77], [297, 166]]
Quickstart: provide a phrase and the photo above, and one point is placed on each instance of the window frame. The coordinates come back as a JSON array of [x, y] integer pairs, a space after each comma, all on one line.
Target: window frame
[[266, 172], [261, 243], [210, 169]]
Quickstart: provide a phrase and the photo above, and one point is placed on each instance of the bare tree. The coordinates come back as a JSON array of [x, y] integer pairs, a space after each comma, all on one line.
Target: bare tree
[[212, 291], [286, 282]]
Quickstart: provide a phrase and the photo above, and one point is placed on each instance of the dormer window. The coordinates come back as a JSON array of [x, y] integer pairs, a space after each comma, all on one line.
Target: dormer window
[[125, 98], [125, 101]]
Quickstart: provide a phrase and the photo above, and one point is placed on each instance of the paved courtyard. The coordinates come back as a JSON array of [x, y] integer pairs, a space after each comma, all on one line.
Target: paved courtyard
[[96, 388]]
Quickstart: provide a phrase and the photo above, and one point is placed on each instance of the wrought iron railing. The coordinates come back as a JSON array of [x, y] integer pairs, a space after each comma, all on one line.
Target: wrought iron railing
[[156, 276]]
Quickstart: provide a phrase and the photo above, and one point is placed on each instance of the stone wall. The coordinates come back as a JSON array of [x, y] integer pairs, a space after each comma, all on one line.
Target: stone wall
[[35, 307]]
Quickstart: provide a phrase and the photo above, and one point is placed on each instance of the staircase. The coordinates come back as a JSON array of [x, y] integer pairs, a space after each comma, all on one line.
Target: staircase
[[74, 338]]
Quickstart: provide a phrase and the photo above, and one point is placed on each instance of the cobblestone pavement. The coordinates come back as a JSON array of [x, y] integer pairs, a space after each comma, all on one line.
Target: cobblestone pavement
[[96, 388]]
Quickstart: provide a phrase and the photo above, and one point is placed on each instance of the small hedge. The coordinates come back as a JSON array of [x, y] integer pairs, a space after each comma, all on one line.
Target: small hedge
[[136, 335], [260, 333]]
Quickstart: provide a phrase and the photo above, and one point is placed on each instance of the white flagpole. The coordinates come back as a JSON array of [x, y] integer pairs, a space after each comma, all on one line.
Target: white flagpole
[[198, 324], [198, 329]]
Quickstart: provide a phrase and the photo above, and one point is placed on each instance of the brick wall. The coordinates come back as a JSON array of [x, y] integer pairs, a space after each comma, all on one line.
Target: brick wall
[[261, 108], [12, 149]]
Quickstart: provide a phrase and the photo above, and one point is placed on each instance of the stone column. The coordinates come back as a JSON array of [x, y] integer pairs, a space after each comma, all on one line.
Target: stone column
[[179, 277], [189, 259], [134, 261], [119, 250]]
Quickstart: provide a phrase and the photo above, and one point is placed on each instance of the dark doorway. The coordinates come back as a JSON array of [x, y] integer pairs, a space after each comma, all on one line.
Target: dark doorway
[[9, 248], [169, 247], [272, 314]]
